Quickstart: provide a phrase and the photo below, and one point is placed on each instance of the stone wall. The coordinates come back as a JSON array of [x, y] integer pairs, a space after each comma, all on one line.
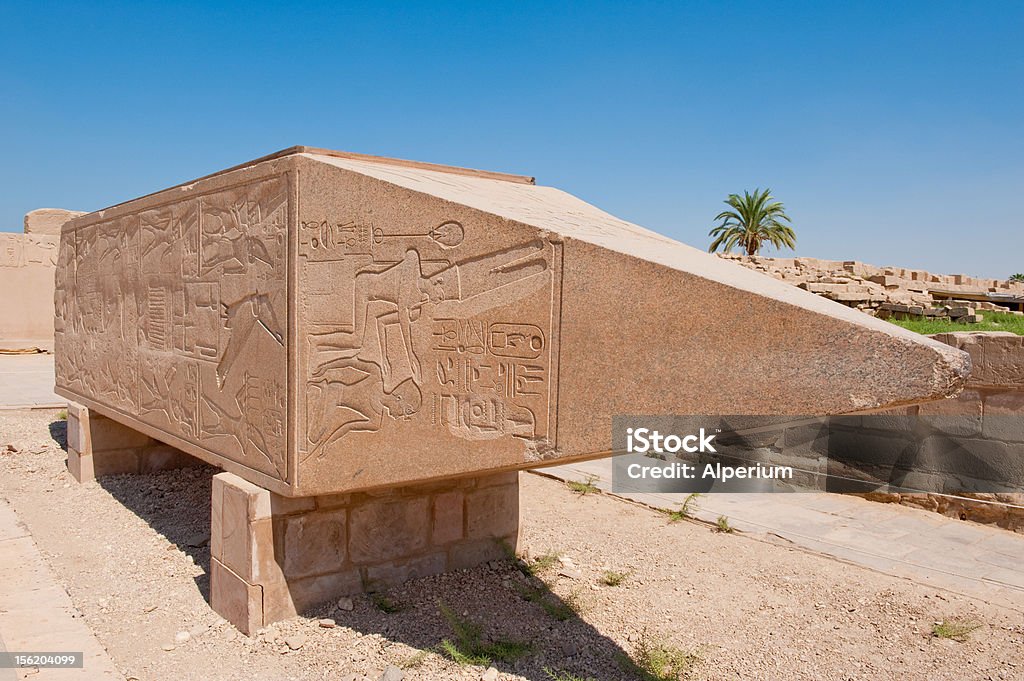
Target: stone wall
[[99, 446], [274, 556], [27, 263], [986, 420]]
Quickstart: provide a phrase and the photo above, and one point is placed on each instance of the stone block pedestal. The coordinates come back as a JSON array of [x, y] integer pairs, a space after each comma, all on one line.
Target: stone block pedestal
[[99, 446], [272, 557]]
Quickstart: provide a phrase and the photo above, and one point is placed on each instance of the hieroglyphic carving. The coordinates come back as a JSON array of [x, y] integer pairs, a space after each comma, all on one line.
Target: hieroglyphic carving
[[27, 296], [175, 315], [12, 250], [492, 378], [27, 250], [399, 326]]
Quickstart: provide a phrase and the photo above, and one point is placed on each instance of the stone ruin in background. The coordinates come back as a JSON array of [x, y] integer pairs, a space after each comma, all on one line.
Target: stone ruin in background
[[894, 292], [27, 263], [371, 349]]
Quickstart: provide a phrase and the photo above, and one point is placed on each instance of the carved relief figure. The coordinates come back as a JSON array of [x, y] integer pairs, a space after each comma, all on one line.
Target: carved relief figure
[[388, 295], [377, 364], [178, 319], [351, 397]]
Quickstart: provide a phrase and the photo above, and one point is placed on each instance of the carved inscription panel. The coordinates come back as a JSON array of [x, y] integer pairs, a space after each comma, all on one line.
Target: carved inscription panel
[[27, 250], [177, 315], [428, 326]]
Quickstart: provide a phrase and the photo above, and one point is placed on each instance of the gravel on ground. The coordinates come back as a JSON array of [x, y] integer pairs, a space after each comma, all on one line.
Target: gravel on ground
[[133, 553]]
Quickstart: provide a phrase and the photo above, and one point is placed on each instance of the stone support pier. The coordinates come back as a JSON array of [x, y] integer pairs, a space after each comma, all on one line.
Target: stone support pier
[[275, 556], [100, 446]]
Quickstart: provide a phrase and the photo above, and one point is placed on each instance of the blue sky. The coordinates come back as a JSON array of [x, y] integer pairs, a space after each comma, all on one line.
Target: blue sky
[[893, 132]]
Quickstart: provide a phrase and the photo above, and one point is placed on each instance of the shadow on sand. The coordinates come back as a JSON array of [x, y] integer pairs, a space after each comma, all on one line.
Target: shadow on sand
[[499, 614]]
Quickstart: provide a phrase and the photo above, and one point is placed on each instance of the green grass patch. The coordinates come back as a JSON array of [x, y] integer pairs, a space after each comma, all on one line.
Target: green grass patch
[[955, 630], [62, 415], [538, 566], [462, 656], [992, 321], [722, 525], [415, 660], [658, 661], [613, 578], [685, 510], [544, 563], [585, 487], [467, 647]]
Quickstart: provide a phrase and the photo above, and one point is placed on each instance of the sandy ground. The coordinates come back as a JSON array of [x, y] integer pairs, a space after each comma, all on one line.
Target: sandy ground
[[132, 552]]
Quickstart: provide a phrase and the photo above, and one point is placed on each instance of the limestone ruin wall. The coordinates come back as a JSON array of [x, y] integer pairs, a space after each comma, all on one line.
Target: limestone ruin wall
[[27, 264], [890, 291]]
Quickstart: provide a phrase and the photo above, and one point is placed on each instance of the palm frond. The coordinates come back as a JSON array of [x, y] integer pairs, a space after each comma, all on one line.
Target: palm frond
[[756, 218]]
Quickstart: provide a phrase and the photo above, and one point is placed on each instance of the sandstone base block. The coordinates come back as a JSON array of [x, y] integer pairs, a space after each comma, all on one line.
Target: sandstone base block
[[272, 557], [99, 446]]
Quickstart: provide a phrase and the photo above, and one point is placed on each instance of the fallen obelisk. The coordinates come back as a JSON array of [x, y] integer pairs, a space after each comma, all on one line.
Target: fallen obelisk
[[371, 349]]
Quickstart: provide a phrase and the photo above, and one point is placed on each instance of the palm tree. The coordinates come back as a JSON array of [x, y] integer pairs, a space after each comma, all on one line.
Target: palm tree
[[1017, 278], [755, 219]]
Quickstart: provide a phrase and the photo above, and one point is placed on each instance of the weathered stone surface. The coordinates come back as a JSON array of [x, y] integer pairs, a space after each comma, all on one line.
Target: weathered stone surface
[[80, 465], [27, 264], [48, 220], [892, 290], [405, 523], [393, 574], [268, 566], [448, 517], [476, 552], [114, 435], [492, 512], [306, 593], [998, 357], [968, 402], [78, 428], [969, 446], [236, 539], [315, 543], [158, 457], [957, 416], [319, 322], [234, 599], [969, 458], [99, 446], [1004, 417]]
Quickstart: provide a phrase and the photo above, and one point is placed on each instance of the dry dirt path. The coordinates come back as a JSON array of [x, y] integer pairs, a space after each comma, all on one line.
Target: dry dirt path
[[964, 557], [36, 614], [131, 552], [27, 381]]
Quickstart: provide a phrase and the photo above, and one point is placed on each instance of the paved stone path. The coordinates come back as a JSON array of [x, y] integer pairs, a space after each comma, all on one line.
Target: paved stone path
[[26, 381], [975, 560], [6, 674], [36, 614]]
